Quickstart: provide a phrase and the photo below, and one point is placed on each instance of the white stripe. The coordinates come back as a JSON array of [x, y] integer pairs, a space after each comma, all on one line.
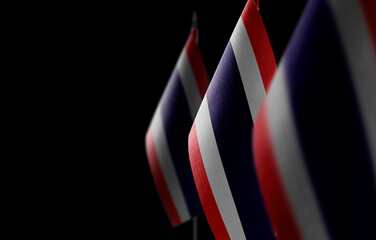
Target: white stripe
[[248, 68], [216, 174], [290, 161], [167, 166], [192, 93], [362, 62]]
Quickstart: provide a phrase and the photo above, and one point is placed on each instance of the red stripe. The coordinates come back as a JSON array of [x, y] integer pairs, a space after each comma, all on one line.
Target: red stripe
[[203, 187], [260, 42], [369, 9], [277, 205], [160, 181], [197, 64], [194, 33]]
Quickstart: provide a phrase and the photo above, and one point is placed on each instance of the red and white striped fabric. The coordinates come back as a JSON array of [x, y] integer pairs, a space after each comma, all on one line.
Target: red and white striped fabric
[[167, 137], [220, 140], [315, 136]]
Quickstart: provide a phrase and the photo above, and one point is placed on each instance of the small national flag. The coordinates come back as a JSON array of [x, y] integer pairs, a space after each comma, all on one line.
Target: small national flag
[[315, 136], [167, 136], [220, 139]]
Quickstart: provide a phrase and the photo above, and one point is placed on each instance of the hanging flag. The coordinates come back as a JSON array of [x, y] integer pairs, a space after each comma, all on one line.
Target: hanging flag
[[220, 139], [167, 136], [315, 136]]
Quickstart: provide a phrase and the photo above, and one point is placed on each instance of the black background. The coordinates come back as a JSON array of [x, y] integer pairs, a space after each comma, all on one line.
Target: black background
[[124, 55]]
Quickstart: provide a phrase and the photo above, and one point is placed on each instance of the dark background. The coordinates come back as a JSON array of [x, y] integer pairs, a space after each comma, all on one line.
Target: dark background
[[124, 55]]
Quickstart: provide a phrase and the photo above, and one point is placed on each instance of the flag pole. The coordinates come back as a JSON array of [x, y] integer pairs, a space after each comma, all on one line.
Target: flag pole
[[194, 26], [194, 31], [195, 228]]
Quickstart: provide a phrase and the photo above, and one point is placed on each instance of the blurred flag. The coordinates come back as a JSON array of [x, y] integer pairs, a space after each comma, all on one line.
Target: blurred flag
[[315, 135], [167, 136], [220, 139]]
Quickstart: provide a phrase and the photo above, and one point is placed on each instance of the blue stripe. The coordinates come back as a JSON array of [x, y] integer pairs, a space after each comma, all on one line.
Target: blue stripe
[[177, 122], [232, 125], [329, 125]]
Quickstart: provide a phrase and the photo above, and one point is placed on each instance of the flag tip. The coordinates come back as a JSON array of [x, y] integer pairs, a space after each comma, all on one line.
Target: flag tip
[[194, 20]]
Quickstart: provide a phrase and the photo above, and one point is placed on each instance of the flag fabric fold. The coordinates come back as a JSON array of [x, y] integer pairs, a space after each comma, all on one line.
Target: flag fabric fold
[[167, 136], [314, 139], [220, 139]]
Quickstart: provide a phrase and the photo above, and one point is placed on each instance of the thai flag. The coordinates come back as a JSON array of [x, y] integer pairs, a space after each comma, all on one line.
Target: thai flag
[[167, 136], [315, 136], [220, 139]]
